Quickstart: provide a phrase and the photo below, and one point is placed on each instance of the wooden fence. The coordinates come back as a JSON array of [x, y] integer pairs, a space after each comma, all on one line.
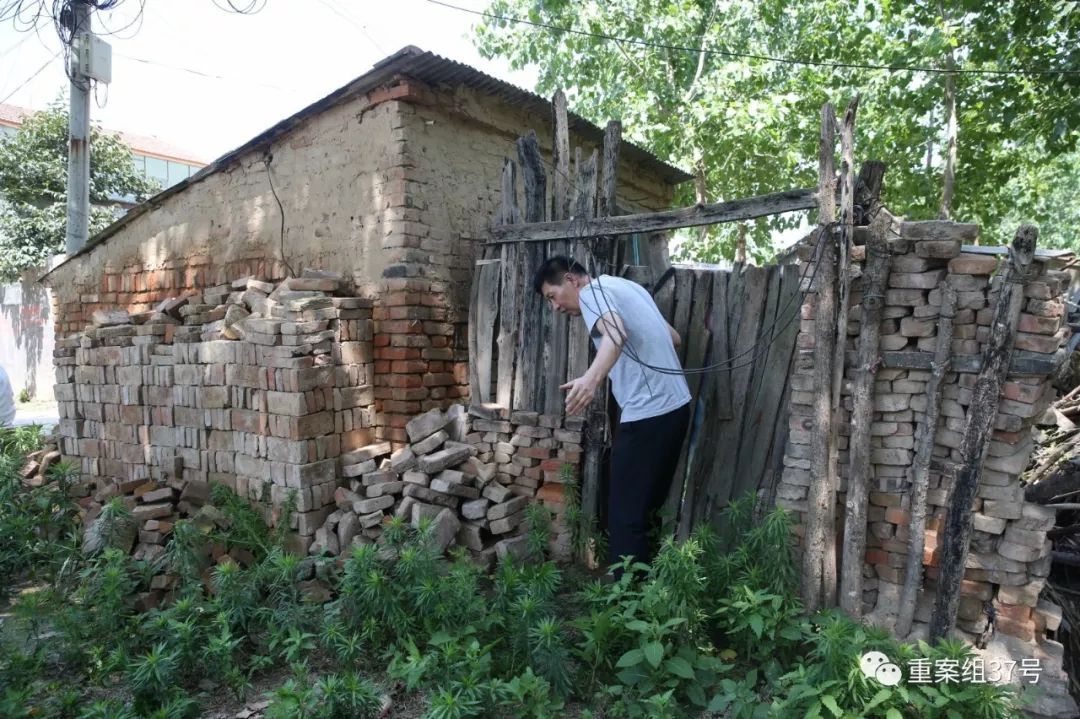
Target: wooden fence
[[740, 323]]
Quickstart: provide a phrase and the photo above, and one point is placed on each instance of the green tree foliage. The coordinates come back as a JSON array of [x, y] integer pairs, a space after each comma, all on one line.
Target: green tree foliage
[[749, 125], [33, 188]]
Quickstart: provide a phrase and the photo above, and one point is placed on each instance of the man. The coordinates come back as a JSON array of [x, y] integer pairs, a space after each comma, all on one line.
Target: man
[[636, 350], [7, 400]]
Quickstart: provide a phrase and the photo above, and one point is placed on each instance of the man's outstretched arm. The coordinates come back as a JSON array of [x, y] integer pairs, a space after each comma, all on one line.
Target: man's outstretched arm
[[582, 389]]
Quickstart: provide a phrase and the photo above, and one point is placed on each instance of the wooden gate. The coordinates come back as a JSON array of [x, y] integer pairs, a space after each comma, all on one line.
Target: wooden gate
[[740, 324]]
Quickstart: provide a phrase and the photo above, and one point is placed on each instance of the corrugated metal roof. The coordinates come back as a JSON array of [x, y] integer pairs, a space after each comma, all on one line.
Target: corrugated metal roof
[[413, 62]]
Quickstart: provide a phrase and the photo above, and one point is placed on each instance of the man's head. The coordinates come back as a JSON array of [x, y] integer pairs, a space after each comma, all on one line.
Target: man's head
[[560, 280]]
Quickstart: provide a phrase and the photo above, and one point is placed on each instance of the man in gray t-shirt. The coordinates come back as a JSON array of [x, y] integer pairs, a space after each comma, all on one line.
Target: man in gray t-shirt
[[635, 349]]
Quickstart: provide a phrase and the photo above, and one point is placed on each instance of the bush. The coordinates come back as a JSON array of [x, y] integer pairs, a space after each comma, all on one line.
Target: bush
[[712, 626]]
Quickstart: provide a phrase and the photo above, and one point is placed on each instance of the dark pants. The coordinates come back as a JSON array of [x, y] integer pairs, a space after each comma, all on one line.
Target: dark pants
[[643, 460]]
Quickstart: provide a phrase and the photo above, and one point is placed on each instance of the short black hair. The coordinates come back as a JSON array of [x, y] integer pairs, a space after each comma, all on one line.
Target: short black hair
[[553, 269]]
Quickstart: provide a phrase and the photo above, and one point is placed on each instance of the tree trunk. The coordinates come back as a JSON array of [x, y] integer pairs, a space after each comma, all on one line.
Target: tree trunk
[[862, 413], [950, 152], [920, 471], [980, 424]]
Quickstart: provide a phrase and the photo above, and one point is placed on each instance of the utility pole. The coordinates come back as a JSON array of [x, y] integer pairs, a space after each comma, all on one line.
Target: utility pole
[[78, 186]]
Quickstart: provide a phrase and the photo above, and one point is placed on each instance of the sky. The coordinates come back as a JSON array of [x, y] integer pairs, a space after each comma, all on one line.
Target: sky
[[208, 80]]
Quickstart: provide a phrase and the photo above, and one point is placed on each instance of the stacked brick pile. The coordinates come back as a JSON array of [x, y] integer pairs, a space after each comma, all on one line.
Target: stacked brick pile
[[155, 509], [256, 386], [474, 483], [1009, 558], [420, 360]]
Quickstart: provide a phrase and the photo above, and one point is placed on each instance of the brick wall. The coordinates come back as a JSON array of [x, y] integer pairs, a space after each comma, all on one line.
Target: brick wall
[[158, 401], [396, 188], [1009, 558]]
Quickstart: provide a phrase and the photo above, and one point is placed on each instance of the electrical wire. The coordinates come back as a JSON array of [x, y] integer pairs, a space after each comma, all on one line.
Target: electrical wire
[[29, 79], [340, 13], [267, 159], [253, 7], [752, 56], [756, 350]]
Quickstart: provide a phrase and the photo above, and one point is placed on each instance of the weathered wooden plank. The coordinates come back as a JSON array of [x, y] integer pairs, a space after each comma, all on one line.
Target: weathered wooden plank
[[743, 327], [528, 379], [704, 448], [720, 352], [766, 387], [605, 246], [980, 424], [694, 216], [822, 496], [1023, 363], [584, 201], [487, 304], [560, 159], [510, 292], [509, 323], [597, 430], [697, 339], [874, 281], [684, 288], [781, 369], [920, 470], [759, 309], [663, 293]]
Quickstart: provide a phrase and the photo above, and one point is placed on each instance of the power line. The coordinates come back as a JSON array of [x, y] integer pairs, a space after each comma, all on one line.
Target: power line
[[200, 73], [333, 8], [750, 56], [29, 79], [26, 37]]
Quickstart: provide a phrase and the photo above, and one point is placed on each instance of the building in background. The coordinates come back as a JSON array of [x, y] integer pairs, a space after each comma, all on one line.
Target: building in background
[[26, 321]]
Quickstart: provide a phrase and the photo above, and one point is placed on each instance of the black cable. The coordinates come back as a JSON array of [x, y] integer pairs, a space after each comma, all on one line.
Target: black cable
[[757, 348], [267, 159], [751, 56]]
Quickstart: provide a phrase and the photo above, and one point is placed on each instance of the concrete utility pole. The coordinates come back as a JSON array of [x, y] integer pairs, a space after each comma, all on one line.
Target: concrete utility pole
[[78, 199]]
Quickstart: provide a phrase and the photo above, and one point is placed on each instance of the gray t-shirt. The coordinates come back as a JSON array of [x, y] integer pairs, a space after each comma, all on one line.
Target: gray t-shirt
[[640, 391]]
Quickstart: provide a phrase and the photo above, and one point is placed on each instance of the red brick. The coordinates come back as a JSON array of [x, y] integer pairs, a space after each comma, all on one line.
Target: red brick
[[397, 353], [401, 327], [897, 516], [552, 494], [535, 452], [1022, 629], [408, 366], [1014, 612], [438, 380], [877, 557]]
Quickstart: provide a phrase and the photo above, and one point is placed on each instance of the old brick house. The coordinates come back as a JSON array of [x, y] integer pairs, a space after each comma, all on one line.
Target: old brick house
[[392, 179]]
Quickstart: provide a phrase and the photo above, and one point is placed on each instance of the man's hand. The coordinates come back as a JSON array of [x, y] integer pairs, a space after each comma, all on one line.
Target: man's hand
[[581, 393]]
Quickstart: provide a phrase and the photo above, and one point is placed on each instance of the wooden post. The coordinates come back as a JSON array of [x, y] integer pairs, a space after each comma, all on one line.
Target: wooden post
[[920, 468], [510, 305], [597, 433], [818, 535], [862, 413], [980, 423], [560, 158], [609, 180], [528, 380], [847, 219]]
